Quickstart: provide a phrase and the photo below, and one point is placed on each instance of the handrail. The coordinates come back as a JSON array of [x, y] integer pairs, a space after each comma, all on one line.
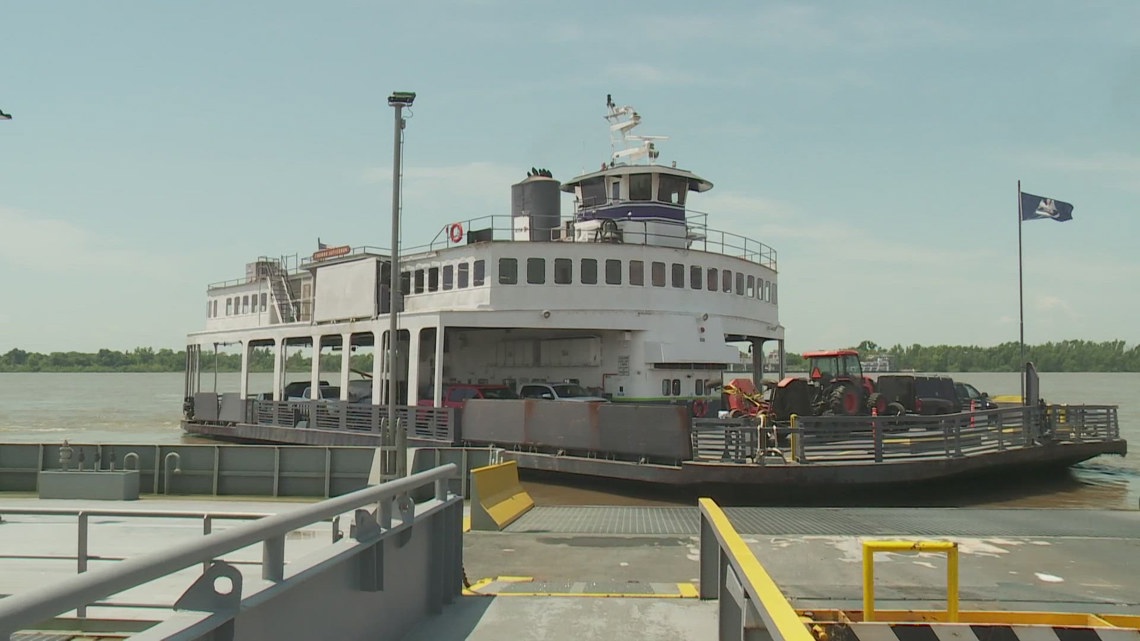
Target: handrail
[[30, 608], [950, 548], [727, 564]]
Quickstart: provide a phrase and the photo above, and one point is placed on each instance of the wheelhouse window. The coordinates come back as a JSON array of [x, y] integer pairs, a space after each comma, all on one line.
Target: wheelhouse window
[[695, 273], [563, 271], [672, 189], [712, 278], [768, 291], [215, 308], [750, 290], [658, 274], [773, 299], [589, 271], [265, 302], [536, 271], [678, 275], [479, 277], [740, 284], [433, 279], [726, 281], [448, 277], [613, 271], [419, 281], [464, 275], [666, 387], [637, 273], [405, 283], [508, 271], [229, 307], [641, 186], [245, 304], [593, 192]]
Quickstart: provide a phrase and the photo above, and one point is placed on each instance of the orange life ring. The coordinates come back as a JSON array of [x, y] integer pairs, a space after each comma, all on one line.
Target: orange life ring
[[455, 232], [700, 408]]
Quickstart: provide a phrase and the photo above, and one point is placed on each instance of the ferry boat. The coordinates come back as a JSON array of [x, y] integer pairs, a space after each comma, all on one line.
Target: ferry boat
[[632, 296]]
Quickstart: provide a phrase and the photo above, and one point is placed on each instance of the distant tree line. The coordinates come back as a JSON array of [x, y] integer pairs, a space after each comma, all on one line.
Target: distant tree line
[[1063, 356]]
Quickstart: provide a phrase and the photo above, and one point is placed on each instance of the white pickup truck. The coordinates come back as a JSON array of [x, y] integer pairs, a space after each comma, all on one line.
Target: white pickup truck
[[559, 392]]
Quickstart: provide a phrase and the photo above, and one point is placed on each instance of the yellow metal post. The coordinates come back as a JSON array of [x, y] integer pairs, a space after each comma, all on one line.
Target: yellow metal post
[[950, 548]]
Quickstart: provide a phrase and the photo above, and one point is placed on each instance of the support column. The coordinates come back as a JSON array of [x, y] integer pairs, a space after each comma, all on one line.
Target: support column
[[413, 365], [345, 364], [243, 384], [780, 352], [278, 368], [315, 370], [437, 393], [379, 357], [757, 362]]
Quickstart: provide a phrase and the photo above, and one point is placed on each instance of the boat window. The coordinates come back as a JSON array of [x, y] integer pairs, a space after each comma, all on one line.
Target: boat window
[[593, 192], [229, 306], [641, 186], [433, 279], [265, 302], [615, 190], [405, 283], [768, 291], [215, 308], [695, 276], [613, 271], [726, 281], [589, 271], [209, 304], [536, 271], [712, 277], [665, 387], [658, 274], [480, 274], [448, 277], [563, 271], [508, 271], [699, 387], [245, 304], [750, 290], [464, 274], [637, 273], [740, 284], [676, 387], [678, 275], [672, 189], [773, 294], [419, 281]]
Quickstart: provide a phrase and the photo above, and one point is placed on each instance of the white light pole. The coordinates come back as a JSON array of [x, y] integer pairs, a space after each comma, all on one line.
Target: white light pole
[[399, 100]]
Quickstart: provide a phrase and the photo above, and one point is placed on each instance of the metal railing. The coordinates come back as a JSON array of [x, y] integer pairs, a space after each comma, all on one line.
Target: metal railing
[[750, 601], [437, 424], [218, 609], [852, 439]]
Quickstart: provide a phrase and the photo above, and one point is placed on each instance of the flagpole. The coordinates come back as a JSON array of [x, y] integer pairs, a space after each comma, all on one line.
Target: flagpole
[[1020, 297]]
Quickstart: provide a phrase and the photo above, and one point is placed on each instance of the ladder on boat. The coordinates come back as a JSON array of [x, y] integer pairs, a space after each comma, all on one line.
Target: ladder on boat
[[282, 293]]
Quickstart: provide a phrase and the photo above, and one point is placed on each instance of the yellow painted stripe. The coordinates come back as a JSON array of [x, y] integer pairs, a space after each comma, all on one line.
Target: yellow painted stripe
[[592, 595], [467, 524], [688, 590], [784, 617], [514, 579], [985, 617]]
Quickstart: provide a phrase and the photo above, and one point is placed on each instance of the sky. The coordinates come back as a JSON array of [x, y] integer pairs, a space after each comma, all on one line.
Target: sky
[[157, 147]]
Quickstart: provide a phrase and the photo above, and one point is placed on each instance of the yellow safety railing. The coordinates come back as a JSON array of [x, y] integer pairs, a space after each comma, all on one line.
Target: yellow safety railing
[[731, 573], [948, 547]]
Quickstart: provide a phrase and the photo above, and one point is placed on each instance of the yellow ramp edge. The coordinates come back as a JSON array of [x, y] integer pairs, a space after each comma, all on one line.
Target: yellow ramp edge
[[497, 497]]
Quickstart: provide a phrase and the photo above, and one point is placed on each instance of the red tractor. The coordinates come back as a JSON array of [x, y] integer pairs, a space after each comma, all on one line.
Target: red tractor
[[835, 385]]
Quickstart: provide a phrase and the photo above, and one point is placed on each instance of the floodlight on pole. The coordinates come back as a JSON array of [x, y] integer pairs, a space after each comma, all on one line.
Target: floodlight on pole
[[398, 100]]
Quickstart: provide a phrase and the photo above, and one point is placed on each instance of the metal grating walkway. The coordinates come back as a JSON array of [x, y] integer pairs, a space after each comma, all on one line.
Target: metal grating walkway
[[836, 521]]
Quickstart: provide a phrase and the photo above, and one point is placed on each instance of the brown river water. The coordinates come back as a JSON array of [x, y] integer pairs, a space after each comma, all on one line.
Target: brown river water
[[120, 408]]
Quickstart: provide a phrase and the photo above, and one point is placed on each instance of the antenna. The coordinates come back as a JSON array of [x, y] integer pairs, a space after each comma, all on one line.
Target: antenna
[[624, 145]]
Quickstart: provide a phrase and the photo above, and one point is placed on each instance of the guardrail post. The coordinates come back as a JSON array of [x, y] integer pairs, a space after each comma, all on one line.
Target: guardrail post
[[82, 522], [273, 558], [877, 435], [710, 561], [207, 527]]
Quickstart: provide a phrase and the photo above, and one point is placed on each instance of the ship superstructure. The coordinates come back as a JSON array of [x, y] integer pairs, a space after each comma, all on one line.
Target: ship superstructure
[[632, 295]]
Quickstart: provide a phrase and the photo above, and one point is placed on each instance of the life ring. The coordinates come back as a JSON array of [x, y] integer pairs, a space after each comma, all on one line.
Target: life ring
[[700, 408], [455, 233]]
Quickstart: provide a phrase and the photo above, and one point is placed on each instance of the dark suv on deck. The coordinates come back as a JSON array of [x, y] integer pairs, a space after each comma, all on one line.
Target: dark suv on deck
[[918, 394], [968, 394]]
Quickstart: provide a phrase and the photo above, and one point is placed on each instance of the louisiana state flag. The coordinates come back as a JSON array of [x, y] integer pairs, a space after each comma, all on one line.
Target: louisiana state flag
[[1035, 207]]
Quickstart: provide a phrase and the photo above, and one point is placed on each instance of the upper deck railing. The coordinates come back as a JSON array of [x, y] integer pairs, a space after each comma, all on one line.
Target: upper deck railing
[[698, 236]]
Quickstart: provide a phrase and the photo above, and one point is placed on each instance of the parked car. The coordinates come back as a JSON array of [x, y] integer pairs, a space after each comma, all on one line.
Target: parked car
[[297, 390], [455, 395], [918, 394], [968, 394], [559, 392]]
